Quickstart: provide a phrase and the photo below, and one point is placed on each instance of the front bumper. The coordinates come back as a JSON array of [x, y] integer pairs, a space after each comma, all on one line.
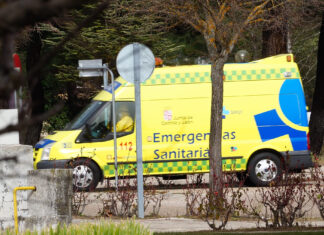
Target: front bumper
[[49, 164], [298, 160]]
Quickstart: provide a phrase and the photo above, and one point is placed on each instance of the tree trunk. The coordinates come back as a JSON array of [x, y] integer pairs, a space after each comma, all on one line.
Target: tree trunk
[[316, 125], [72, 101], [215, 141], [31, 134], [275, 34], [274, 42], [6, 66], [76, 99]]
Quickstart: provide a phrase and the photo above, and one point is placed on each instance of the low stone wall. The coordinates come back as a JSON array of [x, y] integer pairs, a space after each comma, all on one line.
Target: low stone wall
[[15, 161], [49, 205]]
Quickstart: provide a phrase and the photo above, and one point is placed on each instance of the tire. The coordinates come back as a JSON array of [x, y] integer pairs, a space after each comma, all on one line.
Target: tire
[[264, 168], [86, 175]]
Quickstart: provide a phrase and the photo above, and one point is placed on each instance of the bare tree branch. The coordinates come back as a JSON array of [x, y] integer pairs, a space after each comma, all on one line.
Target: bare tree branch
[[8, 84], [16, 15], [48, 56], [33, 120], [6, 67]]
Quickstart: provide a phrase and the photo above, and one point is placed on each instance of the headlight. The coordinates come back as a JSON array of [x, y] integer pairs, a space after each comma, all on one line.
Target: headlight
[[46, 151]]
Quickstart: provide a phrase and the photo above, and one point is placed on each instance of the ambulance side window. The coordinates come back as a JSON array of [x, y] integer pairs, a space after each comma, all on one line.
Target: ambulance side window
[[98, 128], [125, 114]]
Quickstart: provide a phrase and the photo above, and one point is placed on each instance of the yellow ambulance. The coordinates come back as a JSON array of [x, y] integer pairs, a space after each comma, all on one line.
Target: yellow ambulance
[[265, 126]]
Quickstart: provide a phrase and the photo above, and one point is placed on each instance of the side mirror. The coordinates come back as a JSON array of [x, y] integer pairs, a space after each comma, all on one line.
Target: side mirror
[[87, 132]]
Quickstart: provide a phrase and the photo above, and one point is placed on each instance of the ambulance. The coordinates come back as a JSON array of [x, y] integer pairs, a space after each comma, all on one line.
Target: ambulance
[[265, 128]]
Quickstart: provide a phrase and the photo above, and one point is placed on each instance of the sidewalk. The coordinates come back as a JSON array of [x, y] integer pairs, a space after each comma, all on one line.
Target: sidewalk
[[173, 204], [173, 213]]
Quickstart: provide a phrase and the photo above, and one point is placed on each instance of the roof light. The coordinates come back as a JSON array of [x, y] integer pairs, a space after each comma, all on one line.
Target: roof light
[[288, 58], [158, 61], [242, 56]]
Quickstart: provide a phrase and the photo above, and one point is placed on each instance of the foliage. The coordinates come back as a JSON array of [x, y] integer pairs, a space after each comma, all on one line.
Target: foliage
[[304, 47], [216, 209], [123, 201], [129, 227], [115, 28], [153, 197], [280, 204], [317, 191], [79, 202], [193, 195]]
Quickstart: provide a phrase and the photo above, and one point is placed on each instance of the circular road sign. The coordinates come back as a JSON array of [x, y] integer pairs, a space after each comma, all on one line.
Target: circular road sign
[[135, 59]]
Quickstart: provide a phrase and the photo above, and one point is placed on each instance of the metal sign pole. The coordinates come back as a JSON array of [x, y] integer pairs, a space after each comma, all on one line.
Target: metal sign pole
[[105, 75], [139, 164], [114, 125], [93, 68], [135, 63]]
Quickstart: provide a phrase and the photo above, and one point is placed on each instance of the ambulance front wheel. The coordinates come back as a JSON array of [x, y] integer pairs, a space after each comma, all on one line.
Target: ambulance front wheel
[[85, 175], [264, 168]]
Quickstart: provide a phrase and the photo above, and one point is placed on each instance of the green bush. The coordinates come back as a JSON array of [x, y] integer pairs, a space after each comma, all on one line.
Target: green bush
[[129, 227]]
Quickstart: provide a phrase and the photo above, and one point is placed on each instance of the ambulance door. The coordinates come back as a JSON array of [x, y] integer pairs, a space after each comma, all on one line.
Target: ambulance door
[[97, 138]]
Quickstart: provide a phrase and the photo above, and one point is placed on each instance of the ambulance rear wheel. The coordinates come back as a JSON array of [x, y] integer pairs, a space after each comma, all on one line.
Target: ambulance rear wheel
[[264, 168], [86, 175]]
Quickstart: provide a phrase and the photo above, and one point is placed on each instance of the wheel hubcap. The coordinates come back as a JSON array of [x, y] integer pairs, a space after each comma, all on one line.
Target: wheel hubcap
[[82, 176], [266, 170]]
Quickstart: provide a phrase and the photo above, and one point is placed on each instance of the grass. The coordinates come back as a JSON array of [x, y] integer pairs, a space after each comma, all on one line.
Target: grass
[[129, 227]]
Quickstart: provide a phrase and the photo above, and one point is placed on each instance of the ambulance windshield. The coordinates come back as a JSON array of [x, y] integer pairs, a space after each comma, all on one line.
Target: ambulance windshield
[[81, 119]]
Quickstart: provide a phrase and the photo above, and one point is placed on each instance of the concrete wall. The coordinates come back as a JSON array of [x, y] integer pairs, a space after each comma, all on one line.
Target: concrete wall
[[51, 203], [15, 161]]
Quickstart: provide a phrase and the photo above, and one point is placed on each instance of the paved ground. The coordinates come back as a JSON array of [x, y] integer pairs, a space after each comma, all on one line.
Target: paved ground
[[173, 213], [174, 224], [174, 202]]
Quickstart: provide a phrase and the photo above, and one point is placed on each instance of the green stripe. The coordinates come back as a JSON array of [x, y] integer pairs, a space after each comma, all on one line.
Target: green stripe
[[230, 75]]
